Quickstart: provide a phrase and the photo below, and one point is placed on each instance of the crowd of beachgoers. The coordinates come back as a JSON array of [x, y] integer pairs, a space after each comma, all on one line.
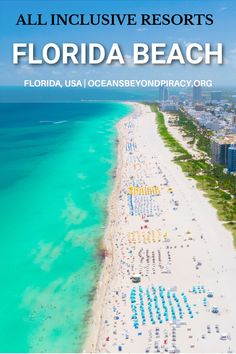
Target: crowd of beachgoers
[[168, 280]]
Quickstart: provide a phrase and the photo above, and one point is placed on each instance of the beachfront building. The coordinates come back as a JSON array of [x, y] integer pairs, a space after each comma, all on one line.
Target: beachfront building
[[169, 106], [232, 158], [219, 149], [219, 152]]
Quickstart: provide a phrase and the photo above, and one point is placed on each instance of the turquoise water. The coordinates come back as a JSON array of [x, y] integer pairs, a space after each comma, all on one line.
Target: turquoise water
[[54, 184]]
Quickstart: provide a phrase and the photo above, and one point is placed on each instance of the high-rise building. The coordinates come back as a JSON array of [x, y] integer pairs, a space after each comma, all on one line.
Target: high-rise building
[[216, 95], [163, 93], [197, 94], [219, 152], [232, 158], [219, 149]]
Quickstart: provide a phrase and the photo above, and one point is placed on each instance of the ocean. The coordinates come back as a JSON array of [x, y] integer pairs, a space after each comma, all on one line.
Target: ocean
[[56, 175]]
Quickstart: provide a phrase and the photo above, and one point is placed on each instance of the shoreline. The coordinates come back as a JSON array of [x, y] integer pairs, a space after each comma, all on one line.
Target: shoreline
[[94, 323], [193, 237]]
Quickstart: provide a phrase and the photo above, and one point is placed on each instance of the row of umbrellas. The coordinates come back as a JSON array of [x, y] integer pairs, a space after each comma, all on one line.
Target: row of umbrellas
[[158, 304], [146, 236], [145, 190], [143, 205]]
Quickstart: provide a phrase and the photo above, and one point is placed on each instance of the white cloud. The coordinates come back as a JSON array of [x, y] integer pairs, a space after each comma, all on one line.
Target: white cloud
[[25, 67], [142, 29], [223, 8], [186, 44]]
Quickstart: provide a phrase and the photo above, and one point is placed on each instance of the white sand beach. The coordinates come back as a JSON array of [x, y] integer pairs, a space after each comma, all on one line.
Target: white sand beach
[[170, 236]]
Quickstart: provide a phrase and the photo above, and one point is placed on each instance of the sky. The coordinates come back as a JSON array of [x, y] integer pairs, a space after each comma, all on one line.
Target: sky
[[223, 30]]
